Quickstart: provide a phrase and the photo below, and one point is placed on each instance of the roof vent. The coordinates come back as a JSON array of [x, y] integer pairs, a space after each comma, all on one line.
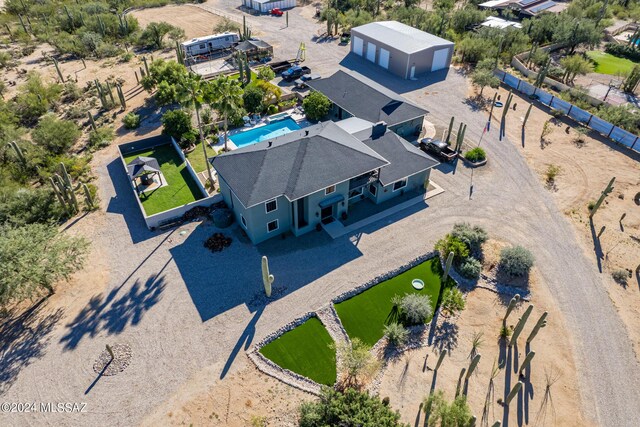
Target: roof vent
[[378, 130], [306, 133], [270, 142]]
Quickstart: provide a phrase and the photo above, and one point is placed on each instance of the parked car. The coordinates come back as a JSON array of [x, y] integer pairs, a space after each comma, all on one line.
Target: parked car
[[276, 12], [438, 148], [301, 83], [295, 72]]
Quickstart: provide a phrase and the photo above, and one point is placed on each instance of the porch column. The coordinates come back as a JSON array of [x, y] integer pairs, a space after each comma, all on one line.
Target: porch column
[[295, 216]]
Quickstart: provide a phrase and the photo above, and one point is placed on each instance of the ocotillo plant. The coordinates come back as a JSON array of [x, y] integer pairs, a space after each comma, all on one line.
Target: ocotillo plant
[[488, 400], [55, 62], [542, 322], [449, 131], [520, 325], [526, 362], [510, 307], [92, 122], [447, 267], [19, 154], [267, 279], [604, 194], [514, 391], [472, 366], [443, 353]]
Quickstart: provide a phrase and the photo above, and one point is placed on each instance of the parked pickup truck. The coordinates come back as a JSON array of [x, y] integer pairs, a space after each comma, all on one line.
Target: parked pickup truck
[[301, 83], [295, 72], [438, 148]]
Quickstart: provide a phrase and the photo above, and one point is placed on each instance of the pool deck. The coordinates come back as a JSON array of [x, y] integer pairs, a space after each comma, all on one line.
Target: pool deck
[[298, 117]]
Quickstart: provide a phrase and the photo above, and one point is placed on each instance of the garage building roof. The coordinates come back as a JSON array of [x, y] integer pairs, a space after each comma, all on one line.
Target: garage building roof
[[402, 37]]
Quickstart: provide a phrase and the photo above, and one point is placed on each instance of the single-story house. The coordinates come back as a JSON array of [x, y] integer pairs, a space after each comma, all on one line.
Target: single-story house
[[298, 181], [357, 96], [403, 50], [265, 6]]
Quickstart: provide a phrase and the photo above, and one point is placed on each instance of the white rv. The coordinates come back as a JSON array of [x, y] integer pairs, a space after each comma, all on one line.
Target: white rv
[[208, 44]]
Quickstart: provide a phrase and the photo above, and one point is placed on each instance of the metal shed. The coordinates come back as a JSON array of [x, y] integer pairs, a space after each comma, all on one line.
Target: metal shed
[[265, 6], [401, 49]]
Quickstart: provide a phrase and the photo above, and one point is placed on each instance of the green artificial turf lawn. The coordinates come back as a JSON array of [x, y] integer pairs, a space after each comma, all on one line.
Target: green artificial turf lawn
[[197, 160], [305, 350], [609, 64], [364, 315], [181, 188]]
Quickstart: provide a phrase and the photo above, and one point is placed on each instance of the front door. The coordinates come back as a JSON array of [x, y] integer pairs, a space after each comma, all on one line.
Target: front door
[[326, 214]]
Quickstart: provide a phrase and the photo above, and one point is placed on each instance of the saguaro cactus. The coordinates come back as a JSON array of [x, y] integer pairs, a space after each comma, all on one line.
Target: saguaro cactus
[[90, 202], [526, 362], [19, 154], [267, 279], [110, 351], [443, 353], [55, 62], [510, 307], [472, 366], [449, 131], [447, 267], [604, 194], [520, 325], [460, 138], [516, 388], [526, 116], [123, 101], [542, 322], [92, 122]]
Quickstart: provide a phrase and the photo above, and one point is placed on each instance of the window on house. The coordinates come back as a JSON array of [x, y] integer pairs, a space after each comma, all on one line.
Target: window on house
[[244, 221], [271, 205], [272, 226], [373, 189], [330, 190], [202, 46], [399, 184]]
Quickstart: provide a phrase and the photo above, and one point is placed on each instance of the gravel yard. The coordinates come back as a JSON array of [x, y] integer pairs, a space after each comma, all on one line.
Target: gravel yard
[[188, 314]]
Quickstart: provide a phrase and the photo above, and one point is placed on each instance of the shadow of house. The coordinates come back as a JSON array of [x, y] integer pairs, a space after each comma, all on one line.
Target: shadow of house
[[218, 282], [113, 312], [125, 204], [23, 339], [390, 81]]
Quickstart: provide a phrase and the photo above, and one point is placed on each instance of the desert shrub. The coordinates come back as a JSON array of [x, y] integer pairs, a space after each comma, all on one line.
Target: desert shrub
[[266, 74], [444, 414], [351, 407], [516, 261], [621, 276], [127, 57], [470, 268], [226, 25], [35, 98], [356, 363], [316, 106], [100, 137], [131, 121], [176, 123], [475, 155], [28, 206], [473, 236], [272, 109], [415, 309], [396, 333], [54, 134], [551, 173], [450, 243], [188, 139], [72, 92], [452, 300], [505, 332]]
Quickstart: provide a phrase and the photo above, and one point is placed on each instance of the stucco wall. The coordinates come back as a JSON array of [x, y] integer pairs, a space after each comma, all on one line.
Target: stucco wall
[[414, 182], [313, 210], [407, 129]]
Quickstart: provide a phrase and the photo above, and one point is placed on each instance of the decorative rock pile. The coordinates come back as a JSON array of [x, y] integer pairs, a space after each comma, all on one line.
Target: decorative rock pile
[[108, 366], [217, 242]]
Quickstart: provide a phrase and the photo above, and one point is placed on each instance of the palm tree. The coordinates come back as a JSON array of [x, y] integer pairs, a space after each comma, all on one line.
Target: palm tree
[[226, 99], [192, 90]]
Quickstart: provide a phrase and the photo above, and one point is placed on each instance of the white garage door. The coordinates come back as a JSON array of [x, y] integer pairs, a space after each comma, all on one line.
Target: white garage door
[[384, 58], [357, 45], [440, 59], [371, 52]]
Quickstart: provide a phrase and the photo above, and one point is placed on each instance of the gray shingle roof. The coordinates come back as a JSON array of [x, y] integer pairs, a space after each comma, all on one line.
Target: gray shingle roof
[[296, 164], [366, 99], [404, 158], [402, 37]]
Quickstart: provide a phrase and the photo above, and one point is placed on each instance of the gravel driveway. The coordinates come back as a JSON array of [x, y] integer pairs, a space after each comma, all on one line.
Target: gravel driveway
[[186, 313]]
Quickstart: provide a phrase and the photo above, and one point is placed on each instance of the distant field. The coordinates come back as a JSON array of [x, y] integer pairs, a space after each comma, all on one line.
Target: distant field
[[609, 64], [194, 21]]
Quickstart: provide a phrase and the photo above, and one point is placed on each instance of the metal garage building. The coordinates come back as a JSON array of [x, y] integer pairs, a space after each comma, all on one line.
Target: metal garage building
[[401, 49], [265, 6]]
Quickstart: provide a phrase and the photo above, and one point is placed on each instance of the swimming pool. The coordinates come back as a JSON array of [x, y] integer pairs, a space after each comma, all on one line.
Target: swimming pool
[[251, 136]]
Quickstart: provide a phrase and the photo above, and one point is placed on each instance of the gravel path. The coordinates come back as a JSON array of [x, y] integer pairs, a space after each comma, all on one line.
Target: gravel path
[[186, 313]]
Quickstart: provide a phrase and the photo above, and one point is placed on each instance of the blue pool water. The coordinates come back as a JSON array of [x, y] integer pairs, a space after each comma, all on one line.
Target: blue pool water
[[262, 133]]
